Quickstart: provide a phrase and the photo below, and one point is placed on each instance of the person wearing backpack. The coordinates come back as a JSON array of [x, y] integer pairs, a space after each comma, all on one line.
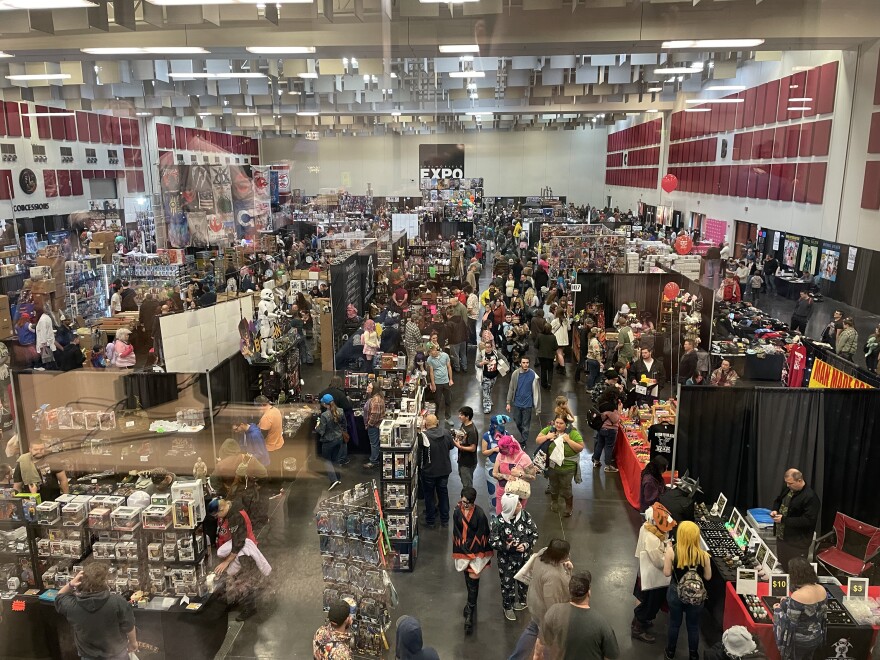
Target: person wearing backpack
[[690, 568]]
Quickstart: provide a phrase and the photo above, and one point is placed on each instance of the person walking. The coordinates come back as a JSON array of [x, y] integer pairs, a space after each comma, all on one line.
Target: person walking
[[848, 341], [467, 440], [551, 572], [436, 466], [574, 630], [488, 360], [457, 332], [795, 512], [329, 428], [412, 339], [374, 413], [688, 367], [440, 380], [610, 408], [560, 326], [513, 534], [471, 550], [803, 310], [689, 568], [872, 350], [489, 450], [564, 449], [523, 398], [651, 584], [756, 282], [546, 345], [102, 622], [511, 464], [594, 358], [771, 265], [800, 621]]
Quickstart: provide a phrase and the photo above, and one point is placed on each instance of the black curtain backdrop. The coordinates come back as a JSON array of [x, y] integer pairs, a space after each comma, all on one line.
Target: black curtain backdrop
[[614, 289], [230, 381], [852, 455], [740, 441], [716, 442], [790, 431]]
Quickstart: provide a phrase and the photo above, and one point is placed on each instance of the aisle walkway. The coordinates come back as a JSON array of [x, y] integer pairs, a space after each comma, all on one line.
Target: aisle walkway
[[602, 533]]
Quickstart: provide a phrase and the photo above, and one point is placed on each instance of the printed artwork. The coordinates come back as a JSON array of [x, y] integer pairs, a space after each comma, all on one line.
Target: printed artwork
[[572, 248], [790, 250], [809, 255], [828, 261]]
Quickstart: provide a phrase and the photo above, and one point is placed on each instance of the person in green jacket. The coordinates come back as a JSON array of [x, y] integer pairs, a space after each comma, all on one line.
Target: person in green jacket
[[847, 340], [626, 350], [561, 436]]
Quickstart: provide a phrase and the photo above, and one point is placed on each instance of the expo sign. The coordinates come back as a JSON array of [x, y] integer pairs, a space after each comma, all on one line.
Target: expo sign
[[441, 173], [441, 161]]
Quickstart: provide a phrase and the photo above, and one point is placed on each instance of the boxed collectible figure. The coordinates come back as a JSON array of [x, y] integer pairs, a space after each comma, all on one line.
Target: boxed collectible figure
[[193, 491], [126, 518], [73, 514], [184, 514], [154, 552], [48, 513], [157, 516], [99, 518], [161, 498]]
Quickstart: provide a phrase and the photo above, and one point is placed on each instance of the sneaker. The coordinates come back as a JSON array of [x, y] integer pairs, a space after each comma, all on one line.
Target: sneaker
[[370, 466], [334, 484], [510, 615], [643, 636], [611, 468], [345, 461], [519, 606], [597, 465]]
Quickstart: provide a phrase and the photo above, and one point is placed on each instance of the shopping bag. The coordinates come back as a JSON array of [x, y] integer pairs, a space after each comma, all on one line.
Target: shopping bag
[[524, 574], [651, 576]]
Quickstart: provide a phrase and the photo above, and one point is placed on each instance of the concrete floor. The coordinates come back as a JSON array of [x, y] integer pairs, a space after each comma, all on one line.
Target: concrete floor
[[602, 533]]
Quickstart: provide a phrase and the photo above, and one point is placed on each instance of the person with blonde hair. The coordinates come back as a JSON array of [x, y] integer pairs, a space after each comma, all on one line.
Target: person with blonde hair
[[562, 409], [690, 568]]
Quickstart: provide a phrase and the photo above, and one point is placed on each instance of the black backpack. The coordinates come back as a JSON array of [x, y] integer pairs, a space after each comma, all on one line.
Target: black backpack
[[594, 418]]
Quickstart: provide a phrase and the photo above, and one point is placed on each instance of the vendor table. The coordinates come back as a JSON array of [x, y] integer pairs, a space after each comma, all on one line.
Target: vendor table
[[862, 638], [750, 366], [31, 628], [630, 466], [790, 288]]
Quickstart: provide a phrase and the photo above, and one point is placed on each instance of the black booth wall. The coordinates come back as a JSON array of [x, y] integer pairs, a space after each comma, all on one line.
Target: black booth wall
[[614, 289], [447, 229], [740, 441]]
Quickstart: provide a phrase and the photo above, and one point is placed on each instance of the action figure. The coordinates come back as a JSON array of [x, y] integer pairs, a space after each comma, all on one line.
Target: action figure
[[268, 313]]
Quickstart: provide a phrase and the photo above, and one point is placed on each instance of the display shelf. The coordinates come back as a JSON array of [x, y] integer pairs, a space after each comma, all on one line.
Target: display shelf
[[17, 544]]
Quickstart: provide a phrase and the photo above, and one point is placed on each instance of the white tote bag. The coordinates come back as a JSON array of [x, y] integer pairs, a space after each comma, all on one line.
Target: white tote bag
[[651, 576], [524, 574]]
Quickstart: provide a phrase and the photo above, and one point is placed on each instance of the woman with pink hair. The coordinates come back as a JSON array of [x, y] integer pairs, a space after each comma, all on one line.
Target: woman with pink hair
[[511, 464]]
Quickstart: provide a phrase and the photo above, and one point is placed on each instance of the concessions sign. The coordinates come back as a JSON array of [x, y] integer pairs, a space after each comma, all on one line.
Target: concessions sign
[[824, 375]]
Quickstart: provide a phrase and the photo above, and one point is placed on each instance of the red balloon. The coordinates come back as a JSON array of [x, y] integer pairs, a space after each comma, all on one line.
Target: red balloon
[[683, 244], [669, 182], [670, 291]]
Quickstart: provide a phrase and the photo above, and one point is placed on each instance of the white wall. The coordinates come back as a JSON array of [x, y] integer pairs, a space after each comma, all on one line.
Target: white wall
[[820, 221], [511, 163], [859, 226]]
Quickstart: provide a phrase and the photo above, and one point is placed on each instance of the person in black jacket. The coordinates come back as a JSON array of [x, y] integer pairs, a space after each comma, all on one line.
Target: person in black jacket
[[795, 512], [129, 298], [689, 362], [652, 369]]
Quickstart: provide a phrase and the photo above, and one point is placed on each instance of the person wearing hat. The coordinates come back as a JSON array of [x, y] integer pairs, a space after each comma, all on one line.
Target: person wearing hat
[[651, 584], [233, 527], [330, 426], [736, 643], [332, 641]]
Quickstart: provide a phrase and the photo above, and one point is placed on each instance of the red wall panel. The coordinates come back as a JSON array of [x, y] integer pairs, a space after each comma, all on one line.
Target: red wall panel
[[737, 147], [746, 151], [822, 137], [70, 128], [871, 186], [775, 181], [25, 121], [13, 119], [94, 128], [742, 181], [76, 182], [44, 128], [786, 185], [106, 124], [805, 149], [2, 123], [800, 182], [874, 135], [724, 180], [130, 181], [64, 183], [785, 92], [792, 137], [816, 183], [827, 88], [749, 108], [57, 125], [7, 190], [771, 99], [762, 182], [877, 84], [135, 132], [760, 96], [50, 183], [812, 92]]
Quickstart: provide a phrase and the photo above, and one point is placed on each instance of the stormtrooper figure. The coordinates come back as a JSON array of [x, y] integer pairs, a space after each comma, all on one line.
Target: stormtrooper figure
[[267, 313]]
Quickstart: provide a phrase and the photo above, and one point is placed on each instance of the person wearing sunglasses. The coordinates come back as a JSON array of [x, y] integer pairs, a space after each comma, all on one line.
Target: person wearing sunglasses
[[471, 550]]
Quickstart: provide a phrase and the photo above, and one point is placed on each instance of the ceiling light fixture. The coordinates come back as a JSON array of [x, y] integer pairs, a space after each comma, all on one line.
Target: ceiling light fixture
[[696, 67], [459, 48], [308, 74], [714, 43], [45, 4], [478, 113], [446, 2], [205, 114], [725, 88], [396, 113], [280, 50], [653, 90], [2, 54], [215, 76], [803, 99], [467, 74], [140, 114], [62, 113], [246, 114], [804, 109], [152, 50], [228, 2], [294, 92], [698, 109], [652, 110], [307, 113], [39, 76], [694, 101]]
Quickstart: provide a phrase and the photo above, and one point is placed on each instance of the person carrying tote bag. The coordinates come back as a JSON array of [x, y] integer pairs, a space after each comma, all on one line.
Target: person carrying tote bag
[[651, 584]]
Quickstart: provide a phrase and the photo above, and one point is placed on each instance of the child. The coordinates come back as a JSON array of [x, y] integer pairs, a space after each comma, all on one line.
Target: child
[[756, 283]]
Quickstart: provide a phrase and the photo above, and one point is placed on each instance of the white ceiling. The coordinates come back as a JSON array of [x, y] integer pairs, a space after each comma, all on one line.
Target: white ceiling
[[546, 63]]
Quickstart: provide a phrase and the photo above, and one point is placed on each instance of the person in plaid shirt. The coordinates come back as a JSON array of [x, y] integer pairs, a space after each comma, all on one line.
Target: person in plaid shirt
[[374, 413], [412, 339]]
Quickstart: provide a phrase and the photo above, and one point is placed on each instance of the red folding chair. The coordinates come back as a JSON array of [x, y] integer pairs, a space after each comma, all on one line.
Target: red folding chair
[[856, 544]]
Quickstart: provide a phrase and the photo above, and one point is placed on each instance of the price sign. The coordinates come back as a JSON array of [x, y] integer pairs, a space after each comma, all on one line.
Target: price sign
[[857, 588], [641, 390], [779, 586], [746, 582], [575, 288]]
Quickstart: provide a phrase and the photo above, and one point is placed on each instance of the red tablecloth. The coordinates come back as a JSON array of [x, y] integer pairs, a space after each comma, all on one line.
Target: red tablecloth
[[630, 468], [735, 614]]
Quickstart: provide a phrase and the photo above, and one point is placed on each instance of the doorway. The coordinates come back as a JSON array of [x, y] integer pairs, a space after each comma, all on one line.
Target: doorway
[[745, 232]]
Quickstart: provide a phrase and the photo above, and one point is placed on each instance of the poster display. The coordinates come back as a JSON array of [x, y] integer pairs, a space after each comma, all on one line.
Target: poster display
[[851, 258], [790, 250], [809, 255], [714, 231], [828, 261], [571, 248]]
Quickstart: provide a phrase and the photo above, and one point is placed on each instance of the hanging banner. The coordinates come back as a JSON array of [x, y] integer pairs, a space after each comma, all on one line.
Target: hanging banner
[[262, 198], [441, 161], [828, 261], [851, 258], [826, 376], [714, 231], [790, 250]]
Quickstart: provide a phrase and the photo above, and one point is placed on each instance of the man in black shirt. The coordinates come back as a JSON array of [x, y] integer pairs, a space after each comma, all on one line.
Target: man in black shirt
[[33, 474], [795, 512], [770, 268], [467, 439], [129, 298], [688, 365]]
